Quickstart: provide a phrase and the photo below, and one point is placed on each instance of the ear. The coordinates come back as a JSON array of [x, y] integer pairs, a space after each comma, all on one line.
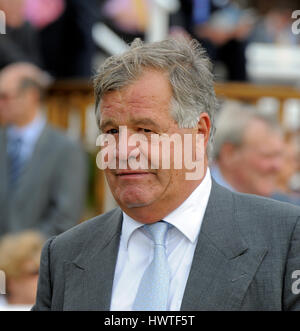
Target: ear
[[204, 127]]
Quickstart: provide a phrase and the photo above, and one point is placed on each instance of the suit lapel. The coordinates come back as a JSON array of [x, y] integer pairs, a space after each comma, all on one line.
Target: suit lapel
[[223, 264], [3, 165], [34, 165], [4, 201], [89, 278]]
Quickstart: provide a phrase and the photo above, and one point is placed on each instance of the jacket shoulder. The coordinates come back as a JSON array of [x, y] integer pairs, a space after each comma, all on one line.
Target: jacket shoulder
[[265, 220], [70, 243], [262, 205]]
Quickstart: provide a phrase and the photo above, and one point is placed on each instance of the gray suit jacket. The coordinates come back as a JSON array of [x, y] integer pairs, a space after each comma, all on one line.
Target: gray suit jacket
[[51, 191], [247, 251]]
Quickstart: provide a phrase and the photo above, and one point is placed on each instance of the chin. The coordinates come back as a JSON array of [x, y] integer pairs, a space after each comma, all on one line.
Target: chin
[[135, 197], [135, 203]]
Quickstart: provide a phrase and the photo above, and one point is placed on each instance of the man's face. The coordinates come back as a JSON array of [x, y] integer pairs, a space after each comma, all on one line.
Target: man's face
[[144, 108], [259, 159]]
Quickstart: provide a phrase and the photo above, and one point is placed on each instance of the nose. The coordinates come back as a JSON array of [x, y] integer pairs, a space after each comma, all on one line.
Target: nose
[[124, 150], [276, 163]]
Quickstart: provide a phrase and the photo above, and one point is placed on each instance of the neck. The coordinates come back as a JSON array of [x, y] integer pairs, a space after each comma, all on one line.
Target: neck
[[25, 120]]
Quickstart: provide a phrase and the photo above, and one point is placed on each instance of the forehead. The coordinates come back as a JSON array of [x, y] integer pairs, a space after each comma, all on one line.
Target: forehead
[[148, 94], [256, 130], [259, 135], [9, 81]]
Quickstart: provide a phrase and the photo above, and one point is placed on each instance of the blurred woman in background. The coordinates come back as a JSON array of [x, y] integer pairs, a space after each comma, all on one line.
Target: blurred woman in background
[[19, 261]]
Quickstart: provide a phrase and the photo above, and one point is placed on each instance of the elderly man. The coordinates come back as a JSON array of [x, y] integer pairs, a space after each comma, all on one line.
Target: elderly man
[[42, 172], [174, 243], [248, 152]]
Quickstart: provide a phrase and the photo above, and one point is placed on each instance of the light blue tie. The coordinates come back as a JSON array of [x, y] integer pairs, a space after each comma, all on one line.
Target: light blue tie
[[154, 287]]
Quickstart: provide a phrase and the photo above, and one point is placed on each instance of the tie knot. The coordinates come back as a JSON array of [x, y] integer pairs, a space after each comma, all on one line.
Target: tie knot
[[158, 232], [17, 139]]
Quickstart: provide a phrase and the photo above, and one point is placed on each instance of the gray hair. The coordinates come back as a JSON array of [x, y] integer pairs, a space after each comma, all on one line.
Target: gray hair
[[188, 69], [232, 122]]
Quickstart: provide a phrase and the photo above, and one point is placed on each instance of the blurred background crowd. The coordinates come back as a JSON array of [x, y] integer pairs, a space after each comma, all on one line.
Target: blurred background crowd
[[49, 52]]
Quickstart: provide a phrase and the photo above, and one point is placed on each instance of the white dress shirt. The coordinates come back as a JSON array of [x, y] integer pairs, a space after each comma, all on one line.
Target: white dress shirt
[[136, 250]]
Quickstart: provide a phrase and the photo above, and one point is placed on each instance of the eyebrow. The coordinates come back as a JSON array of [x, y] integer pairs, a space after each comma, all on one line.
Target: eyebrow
[[106, 123], [142, 121], [145, 121]]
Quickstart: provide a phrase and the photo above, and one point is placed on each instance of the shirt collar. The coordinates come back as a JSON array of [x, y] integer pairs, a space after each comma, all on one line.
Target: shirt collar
[[28, 132], [128, 227], [218, 177], [187, 218]]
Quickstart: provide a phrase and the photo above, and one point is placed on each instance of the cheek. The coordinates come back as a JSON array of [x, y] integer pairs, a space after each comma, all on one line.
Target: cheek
[[15, 108], [250, 162], [171, 181], [111, 179], [166, 156], [260, 164], [164, 177]]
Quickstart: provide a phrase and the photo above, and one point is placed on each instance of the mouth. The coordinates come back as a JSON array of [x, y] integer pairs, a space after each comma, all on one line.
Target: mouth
[[132, 174]]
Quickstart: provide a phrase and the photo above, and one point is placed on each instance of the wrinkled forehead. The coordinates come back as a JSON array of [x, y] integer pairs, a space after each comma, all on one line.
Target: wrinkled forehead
[[259, 134]]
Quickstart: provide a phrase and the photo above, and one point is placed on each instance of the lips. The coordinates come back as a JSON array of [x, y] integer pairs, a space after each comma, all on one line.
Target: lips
[[131, 173]]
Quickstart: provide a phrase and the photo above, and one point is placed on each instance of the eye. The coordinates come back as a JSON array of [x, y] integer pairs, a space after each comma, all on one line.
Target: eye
[[112, 131], [145, 130]]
